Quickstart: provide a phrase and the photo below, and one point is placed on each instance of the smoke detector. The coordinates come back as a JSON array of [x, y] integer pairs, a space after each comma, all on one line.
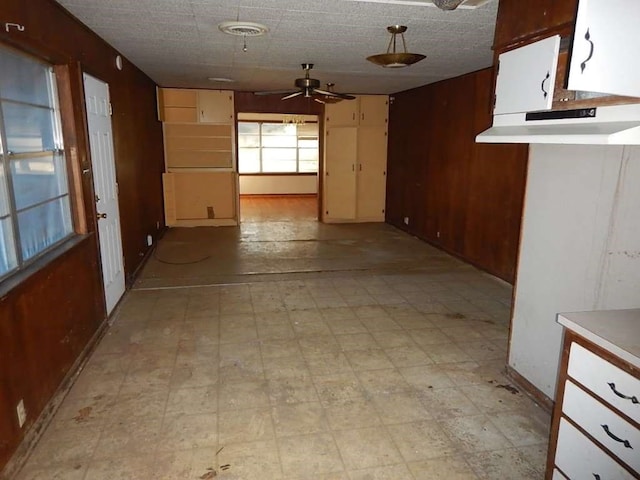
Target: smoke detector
[[243, 29]]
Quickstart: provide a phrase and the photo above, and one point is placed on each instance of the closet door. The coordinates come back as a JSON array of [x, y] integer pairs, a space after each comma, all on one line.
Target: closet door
[[340, 174], [372, 175]]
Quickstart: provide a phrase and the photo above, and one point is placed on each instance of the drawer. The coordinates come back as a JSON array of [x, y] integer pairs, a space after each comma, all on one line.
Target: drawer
[[605, 379], [596, 419], [579, 458]]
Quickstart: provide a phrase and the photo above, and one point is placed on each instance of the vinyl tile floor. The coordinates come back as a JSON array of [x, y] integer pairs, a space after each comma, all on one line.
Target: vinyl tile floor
[[333, 368]]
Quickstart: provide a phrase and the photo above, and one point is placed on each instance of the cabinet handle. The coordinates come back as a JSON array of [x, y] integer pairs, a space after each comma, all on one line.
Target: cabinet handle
[[633, 399], [363, 117], [353, 116], [546, 94], [353, 167], [360, 167], [583, 65], [617, 439]]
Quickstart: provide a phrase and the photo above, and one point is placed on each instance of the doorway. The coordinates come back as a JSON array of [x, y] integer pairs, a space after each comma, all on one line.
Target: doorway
[[278, 161], [105, 188]]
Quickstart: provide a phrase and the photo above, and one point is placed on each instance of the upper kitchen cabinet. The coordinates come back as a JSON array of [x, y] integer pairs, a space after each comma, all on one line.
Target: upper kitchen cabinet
[[215, 106], [526, 77], [178, 105], [523, 20], [604, 56], [364, 111]]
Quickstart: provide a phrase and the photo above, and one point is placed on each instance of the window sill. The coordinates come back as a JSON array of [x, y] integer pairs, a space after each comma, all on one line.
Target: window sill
[[16, 279]]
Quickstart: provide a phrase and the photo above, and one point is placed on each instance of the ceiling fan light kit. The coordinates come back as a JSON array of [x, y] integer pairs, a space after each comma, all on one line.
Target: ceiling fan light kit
[[394, 59], [307, 87]]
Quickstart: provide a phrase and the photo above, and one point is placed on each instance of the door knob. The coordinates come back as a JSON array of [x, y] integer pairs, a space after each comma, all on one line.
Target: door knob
[[102, 215]]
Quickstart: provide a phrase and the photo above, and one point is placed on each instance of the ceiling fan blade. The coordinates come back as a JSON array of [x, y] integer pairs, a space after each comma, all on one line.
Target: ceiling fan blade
[[275, 92], [295, 94], [334, 94]]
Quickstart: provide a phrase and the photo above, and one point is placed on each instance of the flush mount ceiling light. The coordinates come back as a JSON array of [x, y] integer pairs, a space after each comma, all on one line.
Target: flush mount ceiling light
[[221, 79], [447, 4], [393, 59], [243, 29]]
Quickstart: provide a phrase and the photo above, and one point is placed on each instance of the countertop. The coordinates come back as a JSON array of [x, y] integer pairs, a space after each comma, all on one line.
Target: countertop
[[617, 331]]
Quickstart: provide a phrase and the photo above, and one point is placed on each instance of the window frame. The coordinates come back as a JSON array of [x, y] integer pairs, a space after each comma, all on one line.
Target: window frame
[[63, 124], [261, 147]]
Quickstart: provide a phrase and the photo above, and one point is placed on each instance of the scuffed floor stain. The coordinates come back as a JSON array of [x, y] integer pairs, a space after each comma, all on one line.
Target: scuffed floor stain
[[83, 414], [509, 388]]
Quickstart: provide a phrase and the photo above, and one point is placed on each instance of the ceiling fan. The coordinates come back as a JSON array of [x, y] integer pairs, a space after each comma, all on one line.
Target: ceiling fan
[[307, 87]]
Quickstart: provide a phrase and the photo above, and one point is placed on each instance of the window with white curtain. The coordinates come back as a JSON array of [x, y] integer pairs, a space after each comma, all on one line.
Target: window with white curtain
[[265, 147], [35, 209]]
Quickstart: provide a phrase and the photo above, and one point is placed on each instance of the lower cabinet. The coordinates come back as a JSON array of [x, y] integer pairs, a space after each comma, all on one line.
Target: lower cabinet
[[596, 423], [200, 198], [355, 174]]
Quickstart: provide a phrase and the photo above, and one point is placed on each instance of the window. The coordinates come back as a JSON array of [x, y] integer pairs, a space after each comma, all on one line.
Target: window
[[277, 147], [35, 210]]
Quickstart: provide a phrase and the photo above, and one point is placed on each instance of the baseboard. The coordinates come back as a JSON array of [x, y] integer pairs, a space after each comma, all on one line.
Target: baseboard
[[33, 435], [531, 391]]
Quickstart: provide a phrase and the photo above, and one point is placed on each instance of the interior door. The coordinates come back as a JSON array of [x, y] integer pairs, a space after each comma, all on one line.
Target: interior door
[[340, 173], [605, 44], [106, 188]]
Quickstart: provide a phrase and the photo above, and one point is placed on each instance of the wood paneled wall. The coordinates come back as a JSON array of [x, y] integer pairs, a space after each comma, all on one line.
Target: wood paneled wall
[[48, 319], [463, 197], [247, 102], [523, 20]]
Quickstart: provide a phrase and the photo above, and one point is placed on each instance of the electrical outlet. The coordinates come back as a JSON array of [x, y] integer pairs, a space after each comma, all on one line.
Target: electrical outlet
[[22, 413], [406, 220], [149, 240], [438, 234], [158, 225]]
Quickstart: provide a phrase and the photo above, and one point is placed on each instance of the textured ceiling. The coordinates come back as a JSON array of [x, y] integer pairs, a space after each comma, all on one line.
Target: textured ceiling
[[178, 44]]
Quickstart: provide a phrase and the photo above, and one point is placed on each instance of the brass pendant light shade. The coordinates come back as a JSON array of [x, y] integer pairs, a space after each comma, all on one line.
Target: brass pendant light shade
[[394, 59]]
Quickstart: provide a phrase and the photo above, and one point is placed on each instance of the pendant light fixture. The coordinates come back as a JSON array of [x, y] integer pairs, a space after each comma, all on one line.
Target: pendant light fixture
[[394, 59], [447, 4]]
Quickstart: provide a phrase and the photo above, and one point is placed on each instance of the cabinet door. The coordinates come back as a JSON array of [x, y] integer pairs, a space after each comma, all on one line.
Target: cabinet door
[[215, 106], [604, 56], [374, 110], [342, 114], [340, 175], [371, 169], [526, 77], [178, 105]]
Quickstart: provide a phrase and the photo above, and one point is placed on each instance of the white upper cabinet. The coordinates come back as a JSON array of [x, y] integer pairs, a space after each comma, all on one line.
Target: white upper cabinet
[[526, 77], [604, 55]]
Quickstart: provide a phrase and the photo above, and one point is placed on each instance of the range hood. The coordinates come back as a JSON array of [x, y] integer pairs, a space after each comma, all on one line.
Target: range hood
[[609, 125]]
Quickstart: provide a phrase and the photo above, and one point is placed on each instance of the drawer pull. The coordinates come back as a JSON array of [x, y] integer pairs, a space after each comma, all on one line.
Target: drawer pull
[[624, 442], [633, 399]]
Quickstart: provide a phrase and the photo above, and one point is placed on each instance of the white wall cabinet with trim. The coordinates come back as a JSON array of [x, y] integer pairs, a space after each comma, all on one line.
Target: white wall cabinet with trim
[[604, 56], [526, 77], [355, 160]]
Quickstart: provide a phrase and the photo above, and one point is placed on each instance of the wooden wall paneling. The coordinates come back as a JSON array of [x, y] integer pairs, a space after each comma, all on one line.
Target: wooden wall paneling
[[51, 323], [496, 195], [524, 20], [11, 366], [247, 102], [445, 182]]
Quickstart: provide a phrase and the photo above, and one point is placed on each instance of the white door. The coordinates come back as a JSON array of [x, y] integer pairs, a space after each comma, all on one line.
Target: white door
[[106, 188], [604, 56], [527, 76]]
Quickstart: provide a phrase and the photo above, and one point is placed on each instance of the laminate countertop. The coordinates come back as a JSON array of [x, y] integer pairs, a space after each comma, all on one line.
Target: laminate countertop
[[617, 331]]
